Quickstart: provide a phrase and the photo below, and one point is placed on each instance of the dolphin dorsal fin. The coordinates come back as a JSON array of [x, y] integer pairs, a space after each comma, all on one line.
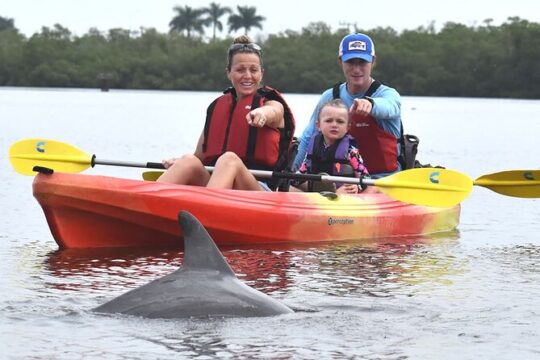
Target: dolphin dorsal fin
[[200, 251]]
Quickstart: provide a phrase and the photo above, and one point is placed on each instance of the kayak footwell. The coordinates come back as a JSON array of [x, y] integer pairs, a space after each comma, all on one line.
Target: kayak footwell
[[88, 211]]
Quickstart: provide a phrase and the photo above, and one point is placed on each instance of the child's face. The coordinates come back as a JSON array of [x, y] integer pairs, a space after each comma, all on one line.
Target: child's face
[[333, 123]]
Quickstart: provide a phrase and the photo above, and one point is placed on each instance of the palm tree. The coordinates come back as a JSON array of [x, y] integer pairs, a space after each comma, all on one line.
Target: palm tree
[[246, 18], [188, 19], [215, 11]]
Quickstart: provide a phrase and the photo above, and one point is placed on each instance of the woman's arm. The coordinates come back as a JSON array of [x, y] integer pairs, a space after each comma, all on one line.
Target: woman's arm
[[270, 114], [198, 150]]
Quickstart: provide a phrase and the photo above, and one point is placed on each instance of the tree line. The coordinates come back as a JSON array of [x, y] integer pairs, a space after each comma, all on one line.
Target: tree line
[[458, 60]]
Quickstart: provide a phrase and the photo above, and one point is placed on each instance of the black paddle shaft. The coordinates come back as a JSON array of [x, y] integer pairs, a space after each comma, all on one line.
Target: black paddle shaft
[[147, 165]]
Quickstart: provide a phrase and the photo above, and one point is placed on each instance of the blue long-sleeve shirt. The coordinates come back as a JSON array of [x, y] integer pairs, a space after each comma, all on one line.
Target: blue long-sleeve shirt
[[386, 111]]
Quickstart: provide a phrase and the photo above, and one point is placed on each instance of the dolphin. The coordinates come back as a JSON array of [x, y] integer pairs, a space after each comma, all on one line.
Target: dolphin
[[204, 286]]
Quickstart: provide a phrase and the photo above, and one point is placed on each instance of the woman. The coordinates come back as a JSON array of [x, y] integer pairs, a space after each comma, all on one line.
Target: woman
[[247, 126]]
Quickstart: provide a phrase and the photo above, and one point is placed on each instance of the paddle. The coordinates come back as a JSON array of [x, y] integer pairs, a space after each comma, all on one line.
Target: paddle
[[421, 186], [432, 187], [56, 155], [517, 183]]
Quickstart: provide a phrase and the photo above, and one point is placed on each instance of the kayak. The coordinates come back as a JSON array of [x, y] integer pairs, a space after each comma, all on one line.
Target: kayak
[[91, 211]]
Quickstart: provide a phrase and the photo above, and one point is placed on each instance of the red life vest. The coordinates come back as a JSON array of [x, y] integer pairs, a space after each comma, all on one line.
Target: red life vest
[[377, 146], [226, 129]]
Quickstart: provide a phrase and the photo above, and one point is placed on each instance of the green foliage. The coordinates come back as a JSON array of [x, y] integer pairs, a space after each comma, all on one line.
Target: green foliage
[[11, 58], [6, 24], [458, 60]]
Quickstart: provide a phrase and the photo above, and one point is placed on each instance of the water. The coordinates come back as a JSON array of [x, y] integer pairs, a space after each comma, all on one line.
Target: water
[[469, 294]]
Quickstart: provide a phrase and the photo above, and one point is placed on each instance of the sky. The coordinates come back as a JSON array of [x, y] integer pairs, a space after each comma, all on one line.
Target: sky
[[81, 15]]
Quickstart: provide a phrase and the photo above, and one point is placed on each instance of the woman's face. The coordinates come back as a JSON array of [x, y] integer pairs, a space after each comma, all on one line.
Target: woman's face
[[246, 73]]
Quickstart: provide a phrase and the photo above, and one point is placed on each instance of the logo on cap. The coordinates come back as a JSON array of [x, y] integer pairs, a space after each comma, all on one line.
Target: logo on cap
[[357, 45]]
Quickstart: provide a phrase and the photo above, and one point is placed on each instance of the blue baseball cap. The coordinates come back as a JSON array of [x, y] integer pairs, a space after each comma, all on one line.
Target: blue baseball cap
[[357, 46]]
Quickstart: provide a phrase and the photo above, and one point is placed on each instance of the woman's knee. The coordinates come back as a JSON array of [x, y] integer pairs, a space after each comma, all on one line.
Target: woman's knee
[[187, 169], [187, 161], [229, 159]]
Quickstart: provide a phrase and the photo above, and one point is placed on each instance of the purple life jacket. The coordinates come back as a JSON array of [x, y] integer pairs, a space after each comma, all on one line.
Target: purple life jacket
[[322, 159]]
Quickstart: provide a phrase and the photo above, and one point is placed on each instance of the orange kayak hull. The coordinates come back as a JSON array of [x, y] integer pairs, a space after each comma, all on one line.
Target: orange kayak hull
[[88, 211]]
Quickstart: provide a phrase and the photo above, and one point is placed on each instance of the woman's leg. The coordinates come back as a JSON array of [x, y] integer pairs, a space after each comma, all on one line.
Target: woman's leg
[[187, 170], [231, 173]]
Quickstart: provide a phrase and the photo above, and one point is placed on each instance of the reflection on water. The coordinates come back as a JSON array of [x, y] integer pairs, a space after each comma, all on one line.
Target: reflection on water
[[379, 270], [106, 269], [341, 269]]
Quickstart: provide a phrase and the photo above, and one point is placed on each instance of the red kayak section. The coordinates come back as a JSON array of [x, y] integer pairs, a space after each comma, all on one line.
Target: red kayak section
[[89, 211]]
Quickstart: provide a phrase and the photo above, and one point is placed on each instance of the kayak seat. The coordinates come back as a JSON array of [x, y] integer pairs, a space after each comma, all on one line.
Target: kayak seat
[[284, 184], [345, 170], [322, 186]]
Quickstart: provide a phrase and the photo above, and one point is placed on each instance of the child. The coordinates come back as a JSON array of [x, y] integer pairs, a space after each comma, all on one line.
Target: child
[[332, 150]]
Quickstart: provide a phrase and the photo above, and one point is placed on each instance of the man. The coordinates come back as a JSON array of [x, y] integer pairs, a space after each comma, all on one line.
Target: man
[[374, 108]]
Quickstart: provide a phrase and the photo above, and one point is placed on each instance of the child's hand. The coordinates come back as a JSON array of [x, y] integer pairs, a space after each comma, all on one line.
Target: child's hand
[[348, 189]]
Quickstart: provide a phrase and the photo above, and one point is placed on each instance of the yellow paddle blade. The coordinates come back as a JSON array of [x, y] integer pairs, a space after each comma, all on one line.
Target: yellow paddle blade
[[427, 186], [517, 183], [152, 175], [26, 154]]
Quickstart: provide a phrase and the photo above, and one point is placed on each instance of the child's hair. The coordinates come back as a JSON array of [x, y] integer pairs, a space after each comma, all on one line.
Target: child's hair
[[337, 103]]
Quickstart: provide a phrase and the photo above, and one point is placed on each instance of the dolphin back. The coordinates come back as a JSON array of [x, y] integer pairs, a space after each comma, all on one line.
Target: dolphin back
[[204, 286], [200, 251]]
